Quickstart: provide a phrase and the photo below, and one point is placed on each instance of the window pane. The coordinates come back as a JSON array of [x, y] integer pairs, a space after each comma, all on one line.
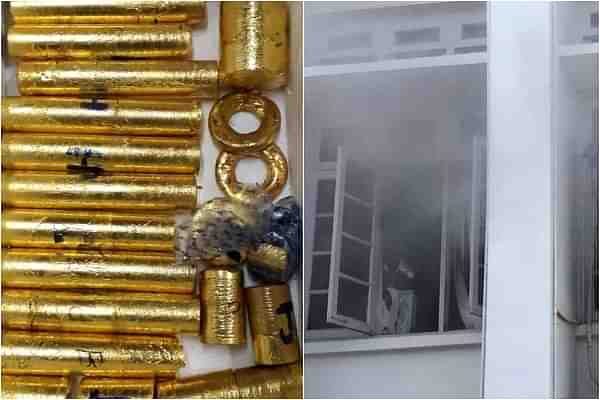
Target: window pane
[[331, 140], [320, 272], [358, 219], [325, 196], [360, 181], [355, 259], [317, 314], [353, 300], [323, 232]]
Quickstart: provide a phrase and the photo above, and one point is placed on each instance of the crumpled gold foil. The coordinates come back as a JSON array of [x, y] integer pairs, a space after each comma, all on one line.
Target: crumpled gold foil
[[32, 189], [119, 78], [113, 388], [45, 42], [88, 230], [67, 269], [254, 44], [272, 323], [281, 382], [107, 11], [223, 306], [217, 385], [94, 116], [16, 387], [100, 312], [45, 353], [70, 152], [269, 257]]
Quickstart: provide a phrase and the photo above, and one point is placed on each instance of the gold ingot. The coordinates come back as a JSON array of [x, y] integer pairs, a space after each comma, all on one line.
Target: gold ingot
[[88, 230], [113, 388], [45, 353], [33, 189], [94, 116], [16, 387], [45, 42], [119, 78], [254, 44], [281, 382], [223, 306], [217, 385], [86, 153], [269, 257], [271, 315], [67, 269], [107, 12]]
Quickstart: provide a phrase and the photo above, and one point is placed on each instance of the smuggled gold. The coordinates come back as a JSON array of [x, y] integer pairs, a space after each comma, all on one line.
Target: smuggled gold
[[107, 12], [44, 353], [223, 306], [112, 388], [277, 173], [271, 315], [269, 257], [227, 138], [16, 387], [281, 382], [88, 230], [88, 153], [33, 189], [44, 42], [217, 385], [97, 116], [254, 44], [67, 269], [119, 78]]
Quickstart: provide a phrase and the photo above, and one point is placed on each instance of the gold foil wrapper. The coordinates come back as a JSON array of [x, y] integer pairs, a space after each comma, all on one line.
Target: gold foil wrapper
[[254, 44], [94, 116], [107, 11], [81, 153], [45, 353], [32, 189], [67, 269], [217, 385], [272, 323], [112, 388], [88, 230], [119, 78], [223, 306], [45, 42], [281, 382], [16, 387], [269, 257]]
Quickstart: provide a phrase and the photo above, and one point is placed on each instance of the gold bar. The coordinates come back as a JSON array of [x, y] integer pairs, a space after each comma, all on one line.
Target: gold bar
[[272, 323], [32, 189], [222, 299], [44, 42], [127, 271], [97, 116], [254, 44], [70, 152], [216, 385], [281, 382], [107, 11], [100, 312], [119, 78], [45, 353], [109, 388], [34, 387], [88, 230]]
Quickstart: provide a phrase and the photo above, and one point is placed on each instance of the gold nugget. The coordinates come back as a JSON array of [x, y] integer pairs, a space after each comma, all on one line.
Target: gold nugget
[[44, 353], [107, 12], [113, 388], [16, 387], [93, 116], [223, 308], [282, 382], [119, 78], [217, 385], [45, 42], [271, 315], [254, 44], [88, 230], [32, 189], [81, 153]]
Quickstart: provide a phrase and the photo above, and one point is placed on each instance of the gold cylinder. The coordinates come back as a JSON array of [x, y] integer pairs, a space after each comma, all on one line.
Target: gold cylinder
[[223, 306], [108, 12], [94, 116], [112, 388], [254, 44], [88, 153], [88, 230], [272, 323], [217, 385], [281, 382], [32, 189], [16, 387], [45, 353], [45, 42], [119, 78]]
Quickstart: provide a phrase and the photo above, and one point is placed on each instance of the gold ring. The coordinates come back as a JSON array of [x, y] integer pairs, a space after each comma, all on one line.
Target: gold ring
[[230, 140], [277, 173]]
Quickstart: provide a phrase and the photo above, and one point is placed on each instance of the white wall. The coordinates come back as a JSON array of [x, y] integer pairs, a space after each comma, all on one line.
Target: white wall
[[451, 372]]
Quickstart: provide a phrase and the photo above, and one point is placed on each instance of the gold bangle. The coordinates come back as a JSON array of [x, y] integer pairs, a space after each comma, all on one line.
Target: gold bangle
[[262, 107], [277, 173]]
